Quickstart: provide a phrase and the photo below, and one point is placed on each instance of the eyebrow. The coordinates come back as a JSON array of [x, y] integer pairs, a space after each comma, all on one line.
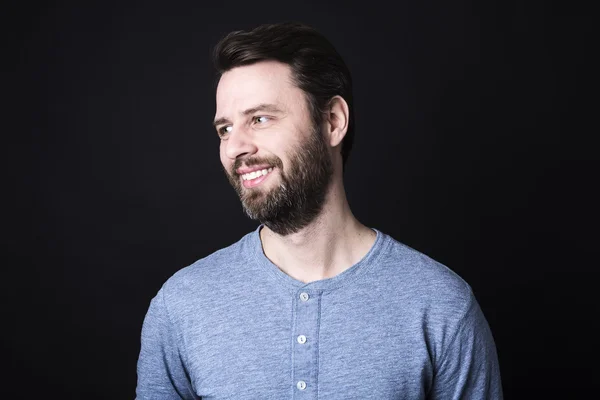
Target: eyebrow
[[271, 108]]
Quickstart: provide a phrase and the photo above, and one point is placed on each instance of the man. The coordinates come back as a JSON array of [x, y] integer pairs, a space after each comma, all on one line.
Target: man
[[312, 304]]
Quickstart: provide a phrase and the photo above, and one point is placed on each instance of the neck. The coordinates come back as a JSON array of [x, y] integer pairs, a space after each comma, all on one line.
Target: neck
[[329, 245]]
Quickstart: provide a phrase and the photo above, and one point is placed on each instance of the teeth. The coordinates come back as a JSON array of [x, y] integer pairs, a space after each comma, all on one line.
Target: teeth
[[256, 174]]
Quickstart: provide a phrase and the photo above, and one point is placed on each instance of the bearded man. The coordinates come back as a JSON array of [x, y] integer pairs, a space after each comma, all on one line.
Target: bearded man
[[312, 304]]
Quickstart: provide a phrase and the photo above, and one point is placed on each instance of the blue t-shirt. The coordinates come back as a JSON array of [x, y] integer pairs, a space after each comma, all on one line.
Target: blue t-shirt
[[396, 325]]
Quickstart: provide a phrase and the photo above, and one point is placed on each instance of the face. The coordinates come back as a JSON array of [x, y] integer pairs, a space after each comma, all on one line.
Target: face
[[274, 155]]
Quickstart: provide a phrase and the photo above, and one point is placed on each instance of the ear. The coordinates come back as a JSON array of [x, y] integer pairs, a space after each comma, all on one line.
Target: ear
[[337, 119]]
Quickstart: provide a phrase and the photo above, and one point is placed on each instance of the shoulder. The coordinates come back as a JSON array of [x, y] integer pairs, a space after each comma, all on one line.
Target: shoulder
[[429, 295], [208, 273], [425, 283]]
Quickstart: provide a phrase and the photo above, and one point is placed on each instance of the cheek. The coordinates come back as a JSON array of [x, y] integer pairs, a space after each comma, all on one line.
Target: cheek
[[225, 161]]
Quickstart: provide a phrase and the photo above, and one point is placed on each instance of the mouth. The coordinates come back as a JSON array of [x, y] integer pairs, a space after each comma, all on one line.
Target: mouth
[[256, 177]]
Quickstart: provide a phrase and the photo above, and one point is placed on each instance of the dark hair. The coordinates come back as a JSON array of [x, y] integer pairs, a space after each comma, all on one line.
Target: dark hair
[[316, 66]]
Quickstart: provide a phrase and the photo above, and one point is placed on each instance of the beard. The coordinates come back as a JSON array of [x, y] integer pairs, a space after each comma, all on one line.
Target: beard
[[300, 196]]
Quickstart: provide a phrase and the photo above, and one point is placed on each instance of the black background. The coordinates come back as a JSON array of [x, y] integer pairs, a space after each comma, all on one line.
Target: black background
[[473, 122]]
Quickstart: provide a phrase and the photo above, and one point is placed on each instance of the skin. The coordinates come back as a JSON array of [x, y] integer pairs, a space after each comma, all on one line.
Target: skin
[[334, 240]]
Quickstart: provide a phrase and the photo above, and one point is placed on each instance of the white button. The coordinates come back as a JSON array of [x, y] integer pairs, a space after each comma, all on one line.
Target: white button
[[301, 339], [301, 385], [303, 296]]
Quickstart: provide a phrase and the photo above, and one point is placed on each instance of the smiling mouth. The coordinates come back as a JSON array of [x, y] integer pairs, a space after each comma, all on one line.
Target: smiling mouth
[[255, 178]]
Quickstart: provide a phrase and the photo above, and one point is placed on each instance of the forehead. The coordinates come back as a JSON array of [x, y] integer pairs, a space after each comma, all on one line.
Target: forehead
[[266, 82]]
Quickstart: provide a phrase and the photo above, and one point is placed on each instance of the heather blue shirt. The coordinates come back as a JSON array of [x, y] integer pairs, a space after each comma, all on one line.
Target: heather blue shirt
[[396, 325]]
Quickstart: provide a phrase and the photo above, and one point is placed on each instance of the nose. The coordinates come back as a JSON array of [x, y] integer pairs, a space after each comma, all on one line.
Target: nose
[[239, 144]]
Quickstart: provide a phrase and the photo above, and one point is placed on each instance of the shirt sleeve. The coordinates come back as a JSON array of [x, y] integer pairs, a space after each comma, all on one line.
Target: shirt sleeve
[[468, 368], [160, 369]]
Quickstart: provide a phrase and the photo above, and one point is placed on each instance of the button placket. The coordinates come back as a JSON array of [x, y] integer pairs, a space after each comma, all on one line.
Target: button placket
[[305, 344]]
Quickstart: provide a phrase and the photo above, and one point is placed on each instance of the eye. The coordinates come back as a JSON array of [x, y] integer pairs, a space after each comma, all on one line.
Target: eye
[[261, 119], [224, 130]]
